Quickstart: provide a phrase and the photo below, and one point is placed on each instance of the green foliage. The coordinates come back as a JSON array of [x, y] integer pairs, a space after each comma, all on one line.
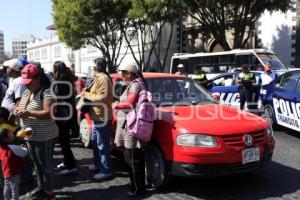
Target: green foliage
[[238, 15], [95, 22]]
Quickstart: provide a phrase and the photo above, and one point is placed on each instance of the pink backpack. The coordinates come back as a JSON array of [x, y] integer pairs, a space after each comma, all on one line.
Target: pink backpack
[[140, 120]]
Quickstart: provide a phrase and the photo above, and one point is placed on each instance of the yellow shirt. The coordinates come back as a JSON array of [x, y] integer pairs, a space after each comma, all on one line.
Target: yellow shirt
[[9, 127], [101, 98]]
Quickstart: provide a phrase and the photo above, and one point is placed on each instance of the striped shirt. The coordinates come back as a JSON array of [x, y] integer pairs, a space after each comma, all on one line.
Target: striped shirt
[[43, 129]]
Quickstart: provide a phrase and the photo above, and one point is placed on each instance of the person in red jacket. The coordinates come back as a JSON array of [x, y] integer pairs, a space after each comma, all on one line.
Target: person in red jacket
[[11, 157]]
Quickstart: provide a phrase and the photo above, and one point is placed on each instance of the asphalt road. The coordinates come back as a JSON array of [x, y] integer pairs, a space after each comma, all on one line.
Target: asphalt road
[[279, 180]]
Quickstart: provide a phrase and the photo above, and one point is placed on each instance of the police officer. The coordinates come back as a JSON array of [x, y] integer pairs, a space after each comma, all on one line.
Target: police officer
[[245, 81], [180, 69], [200, 77], [268, 75]]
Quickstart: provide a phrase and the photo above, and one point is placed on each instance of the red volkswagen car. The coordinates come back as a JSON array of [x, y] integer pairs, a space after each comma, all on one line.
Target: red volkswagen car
[[194, 135]]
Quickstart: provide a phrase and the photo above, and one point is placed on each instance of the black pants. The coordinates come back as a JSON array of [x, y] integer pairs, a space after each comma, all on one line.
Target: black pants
[[64, 141], [135, 160], [245, 96], [74, 124]]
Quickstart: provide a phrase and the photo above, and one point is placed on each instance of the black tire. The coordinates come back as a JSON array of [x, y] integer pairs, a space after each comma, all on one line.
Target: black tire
[[270, 115], [156, 172], [85, 135]]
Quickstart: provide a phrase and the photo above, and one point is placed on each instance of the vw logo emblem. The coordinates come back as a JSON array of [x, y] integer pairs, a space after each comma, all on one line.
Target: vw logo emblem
[[248, 140]]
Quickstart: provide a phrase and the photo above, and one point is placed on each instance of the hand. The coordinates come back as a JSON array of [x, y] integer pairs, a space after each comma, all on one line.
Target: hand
[[114, 104], [85, 89], [22, 113]]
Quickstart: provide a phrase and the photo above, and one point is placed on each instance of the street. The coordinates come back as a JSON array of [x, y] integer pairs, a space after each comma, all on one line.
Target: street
[[279, 180]]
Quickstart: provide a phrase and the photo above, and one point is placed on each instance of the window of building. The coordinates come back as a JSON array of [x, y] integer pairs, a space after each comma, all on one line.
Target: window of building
[[30, 55], [57, 51], [37, 55], [44, 53]]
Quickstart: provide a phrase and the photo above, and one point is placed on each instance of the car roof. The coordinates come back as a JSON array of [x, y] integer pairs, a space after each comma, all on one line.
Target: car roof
[[154, 75]]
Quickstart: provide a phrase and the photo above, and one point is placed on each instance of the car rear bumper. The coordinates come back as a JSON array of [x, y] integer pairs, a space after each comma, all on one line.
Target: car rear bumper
[[213, 170]]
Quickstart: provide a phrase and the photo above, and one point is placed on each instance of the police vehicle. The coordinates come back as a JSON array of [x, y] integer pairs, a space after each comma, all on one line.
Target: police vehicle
[[225, 86], [281, 100]]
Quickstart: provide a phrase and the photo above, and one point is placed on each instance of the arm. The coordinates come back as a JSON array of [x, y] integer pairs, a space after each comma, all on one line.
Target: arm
[[101, 87], [131, 102], [17, 150], [45, 113]]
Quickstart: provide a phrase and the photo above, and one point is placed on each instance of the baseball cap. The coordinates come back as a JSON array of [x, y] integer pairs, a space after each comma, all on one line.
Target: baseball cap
[[130, 67], [180, 66], [28, 73], [14, 64]]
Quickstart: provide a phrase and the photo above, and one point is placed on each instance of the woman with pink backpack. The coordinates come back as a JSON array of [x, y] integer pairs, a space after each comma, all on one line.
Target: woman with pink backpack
[[134, 153]]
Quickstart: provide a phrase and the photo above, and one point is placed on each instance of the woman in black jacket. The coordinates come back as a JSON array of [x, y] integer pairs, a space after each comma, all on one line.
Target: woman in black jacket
[[64, 89]]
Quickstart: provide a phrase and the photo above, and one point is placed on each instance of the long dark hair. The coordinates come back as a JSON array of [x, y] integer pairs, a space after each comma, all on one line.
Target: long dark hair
[[141, 76], [101, 66], [44, 80], [62, 71]]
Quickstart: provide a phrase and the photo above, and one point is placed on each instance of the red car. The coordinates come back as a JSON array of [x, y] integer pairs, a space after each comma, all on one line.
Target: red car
[[196, 136]]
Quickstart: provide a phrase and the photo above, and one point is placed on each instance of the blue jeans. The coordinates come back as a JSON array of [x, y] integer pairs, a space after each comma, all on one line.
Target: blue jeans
[[100, 140]]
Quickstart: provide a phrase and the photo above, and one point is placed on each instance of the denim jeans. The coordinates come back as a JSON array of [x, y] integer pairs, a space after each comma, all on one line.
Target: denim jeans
[[100, 140], [41, 153]]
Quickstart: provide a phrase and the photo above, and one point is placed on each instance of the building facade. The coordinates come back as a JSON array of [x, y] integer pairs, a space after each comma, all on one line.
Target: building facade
[[19, 45], [280, 32], [51, 49], [2, 54]]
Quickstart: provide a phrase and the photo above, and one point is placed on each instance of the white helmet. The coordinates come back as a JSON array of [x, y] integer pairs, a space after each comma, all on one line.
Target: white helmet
[[130, 67], [180, 66]]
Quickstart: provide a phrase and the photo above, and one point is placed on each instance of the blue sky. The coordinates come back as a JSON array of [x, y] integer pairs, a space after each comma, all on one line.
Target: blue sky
[[19, 17]]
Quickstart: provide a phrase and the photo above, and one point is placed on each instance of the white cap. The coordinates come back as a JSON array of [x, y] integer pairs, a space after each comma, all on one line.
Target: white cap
[[14, 64], [180, 66], [130, 67]]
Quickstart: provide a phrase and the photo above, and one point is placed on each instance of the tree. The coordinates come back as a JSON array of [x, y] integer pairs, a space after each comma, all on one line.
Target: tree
[[219, 16], [147, 20], [92, 22]]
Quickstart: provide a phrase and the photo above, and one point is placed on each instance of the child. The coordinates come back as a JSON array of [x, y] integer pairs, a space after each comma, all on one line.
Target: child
[[12, 164]]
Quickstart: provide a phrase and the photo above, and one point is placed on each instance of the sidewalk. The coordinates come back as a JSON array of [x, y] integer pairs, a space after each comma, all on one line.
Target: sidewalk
[[82, 185]]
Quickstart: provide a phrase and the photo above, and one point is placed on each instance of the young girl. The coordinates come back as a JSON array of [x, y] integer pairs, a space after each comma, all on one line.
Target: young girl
[[12, 164]]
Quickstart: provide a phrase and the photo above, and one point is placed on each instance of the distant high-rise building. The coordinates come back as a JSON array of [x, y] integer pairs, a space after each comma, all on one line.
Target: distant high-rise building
[[19, 45], [2, 55]]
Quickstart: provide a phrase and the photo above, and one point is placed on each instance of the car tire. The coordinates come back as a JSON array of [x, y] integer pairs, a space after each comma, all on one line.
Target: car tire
[[85, 135], [156, 172], [270, 115]]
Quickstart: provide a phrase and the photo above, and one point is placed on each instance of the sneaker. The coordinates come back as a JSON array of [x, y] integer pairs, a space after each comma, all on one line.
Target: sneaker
[[42, 195], [93, 168], [68, 171], [61, 166], [49, 196], [102, 176], [34, 192]]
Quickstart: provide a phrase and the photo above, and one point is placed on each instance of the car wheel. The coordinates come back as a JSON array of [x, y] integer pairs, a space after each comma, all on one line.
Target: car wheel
[[156, 173], [270, 115], [85, 134]]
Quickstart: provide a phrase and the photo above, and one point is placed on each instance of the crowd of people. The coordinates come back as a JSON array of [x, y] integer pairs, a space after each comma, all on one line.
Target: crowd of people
[[45, 105]]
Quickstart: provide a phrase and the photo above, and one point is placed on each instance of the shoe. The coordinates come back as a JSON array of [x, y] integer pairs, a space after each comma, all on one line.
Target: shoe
[[93, 168], [50, 196], [68, 171], [133, 195], [61, 166], [102, 176], [33, 192]]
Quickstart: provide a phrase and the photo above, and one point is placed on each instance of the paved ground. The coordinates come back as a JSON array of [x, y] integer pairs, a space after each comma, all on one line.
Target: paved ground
[[280, 180]]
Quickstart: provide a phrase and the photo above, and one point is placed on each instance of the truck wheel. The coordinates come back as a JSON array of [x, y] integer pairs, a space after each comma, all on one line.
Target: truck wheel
[[156, 172], [85, 134]]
